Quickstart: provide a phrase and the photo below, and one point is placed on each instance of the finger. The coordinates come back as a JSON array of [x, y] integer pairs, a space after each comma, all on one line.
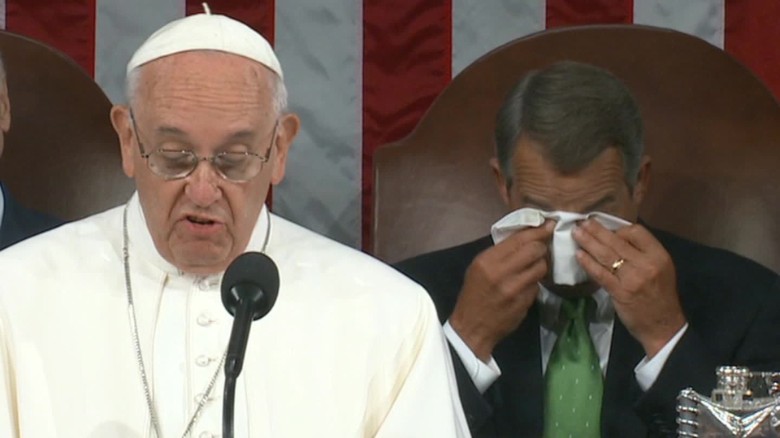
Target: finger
[[521, 241], [619, 246], [640, 238], [499, 261], [656, 259], [598, 272], [541, 233], [601, 252], [531, 275], [525, 285]]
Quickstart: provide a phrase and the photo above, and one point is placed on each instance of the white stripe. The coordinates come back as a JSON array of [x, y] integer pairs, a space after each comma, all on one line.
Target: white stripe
[[479, 27], [320, 45], [121, 26], [702, 18]]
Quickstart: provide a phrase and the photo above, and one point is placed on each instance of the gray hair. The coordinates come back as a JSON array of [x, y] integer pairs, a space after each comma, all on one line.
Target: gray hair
[[278, 90], [574, 111]]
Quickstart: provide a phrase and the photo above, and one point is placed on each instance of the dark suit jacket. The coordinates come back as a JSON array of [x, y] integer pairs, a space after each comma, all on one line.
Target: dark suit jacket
[[733, 309], [20, 223]]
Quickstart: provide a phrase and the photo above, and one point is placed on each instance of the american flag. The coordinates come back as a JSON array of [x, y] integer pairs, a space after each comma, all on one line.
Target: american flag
[[361, 73]]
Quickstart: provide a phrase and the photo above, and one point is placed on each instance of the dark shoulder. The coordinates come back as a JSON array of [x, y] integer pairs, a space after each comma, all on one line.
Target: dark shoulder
[[39, 222], [441, 272], [20, 222], [444, 261], [714, 265]]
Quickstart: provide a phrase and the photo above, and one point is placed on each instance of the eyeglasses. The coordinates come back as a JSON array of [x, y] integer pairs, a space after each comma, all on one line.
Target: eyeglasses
[[235, 166]]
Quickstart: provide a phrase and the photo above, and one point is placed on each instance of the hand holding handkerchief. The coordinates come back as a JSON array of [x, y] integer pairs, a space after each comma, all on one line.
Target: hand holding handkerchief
[[565, 268]]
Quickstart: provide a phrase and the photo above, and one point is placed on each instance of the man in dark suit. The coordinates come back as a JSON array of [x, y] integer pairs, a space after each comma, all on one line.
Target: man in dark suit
[[17, 222], [660, 312]]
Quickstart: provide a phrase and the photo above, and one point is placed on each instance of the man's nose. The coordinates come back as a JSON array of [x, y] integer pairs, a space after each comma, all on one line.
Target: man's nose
[[203, 184]]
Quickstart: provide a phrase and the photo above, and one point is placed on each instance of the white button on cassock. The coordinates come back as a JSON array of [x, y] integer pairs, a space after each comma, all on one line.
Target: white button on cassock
[[204, 320], [203, 360]]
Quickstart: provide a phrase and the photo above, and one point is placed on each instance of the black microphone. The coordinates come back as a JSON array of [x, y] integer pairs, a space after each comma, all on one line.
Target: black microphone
[[249, 290]]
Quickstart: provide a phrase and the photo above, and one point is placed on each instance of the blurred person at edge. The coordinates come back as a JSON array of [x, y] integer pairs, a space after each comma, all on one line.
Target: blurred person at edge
[[17, 222]]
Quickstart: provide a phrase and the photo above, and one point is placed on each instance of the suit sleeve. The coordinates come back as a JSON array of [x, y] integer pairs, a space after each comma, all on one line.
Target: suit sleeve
[[693, 362], [475, 406]]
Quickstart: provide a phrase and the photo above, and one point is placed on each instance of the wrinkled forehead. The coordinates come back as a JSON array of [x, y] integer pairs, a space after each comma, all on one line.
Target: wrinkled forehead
[[204, 79]]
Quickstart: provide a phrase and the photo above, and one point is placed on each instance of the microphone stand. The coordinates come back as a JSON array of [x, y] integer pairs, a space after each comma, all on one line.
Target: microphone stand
[[234, 361]]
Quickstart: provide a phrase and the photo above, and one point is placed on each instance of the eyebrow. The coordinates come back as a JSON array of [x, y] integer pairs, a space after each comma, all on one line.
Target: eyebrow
[[528, 200], [170, 130], [601, 202], [242, 136]]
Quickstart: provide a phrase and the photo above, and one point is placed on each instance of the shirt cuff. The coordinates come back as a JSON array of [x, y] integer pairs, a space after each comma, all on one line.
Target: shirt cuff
[[482, 374], [647, 371]]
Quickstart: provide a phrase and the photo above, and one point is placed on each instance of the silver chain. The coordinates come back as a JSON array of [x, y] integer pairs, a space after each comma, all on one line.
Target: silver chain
[[137, 342]]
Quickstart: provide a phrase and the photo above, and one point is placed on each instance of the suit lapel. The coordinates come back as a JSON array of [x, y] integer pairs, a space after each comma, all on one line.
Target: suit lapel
[[518, 395], [621, 390]]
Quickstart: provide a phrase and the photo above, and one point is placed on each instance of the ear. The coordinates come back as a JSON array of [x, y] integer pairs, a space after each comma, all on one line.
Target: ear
[[502, 183], [120, 118], [642, 182], [289, 124], [5, 108]]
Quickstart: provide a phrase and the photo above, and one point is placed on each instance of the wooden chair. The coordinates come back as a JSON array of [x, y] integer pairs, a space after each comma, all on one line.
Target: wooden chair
[[61, 155], [711, 127]]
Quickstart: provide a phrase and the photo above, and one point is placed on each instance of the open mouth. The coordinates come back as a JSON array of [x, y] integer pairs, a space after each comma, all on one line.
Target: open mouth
[[200, 220]]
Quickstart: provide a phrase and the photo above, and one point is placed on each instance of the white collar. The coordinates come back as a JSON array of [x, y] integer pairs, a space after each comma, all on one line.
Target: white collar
[[550, 307]]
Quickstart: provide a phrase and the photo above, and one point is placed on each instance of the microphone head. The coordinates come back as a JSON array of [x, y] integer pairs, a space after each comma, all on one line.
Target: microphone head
[[251, 277]]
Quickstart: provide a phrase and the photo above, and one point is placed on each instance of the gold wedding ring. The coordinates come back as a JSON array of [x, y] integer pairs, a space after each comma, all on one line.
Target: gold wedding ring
[[618, 263]]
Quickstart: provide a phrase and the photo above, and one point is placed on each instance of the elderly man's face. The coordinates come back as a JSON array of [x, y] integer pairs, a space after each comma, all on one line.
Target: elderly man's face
[[600, 186], [205, 102]]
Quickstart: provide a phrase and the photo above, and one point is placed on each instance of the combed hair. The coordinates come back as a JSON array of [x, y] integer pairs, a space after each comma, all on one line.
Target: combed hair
[[574, 112]]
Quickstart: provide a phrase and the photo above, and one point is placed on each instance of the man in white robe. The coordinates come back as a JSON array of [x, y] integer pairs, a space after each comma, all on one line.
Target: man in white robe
[[113, 326]]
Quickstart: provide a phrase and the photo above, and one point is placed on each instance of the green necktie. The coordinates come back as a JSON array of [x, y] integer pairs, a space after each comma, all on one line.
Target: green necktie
[[574, 384]]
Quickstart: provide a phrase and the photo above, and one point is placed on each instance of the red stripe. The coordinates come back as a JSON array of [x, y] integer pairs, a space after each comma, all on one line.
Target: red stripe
[[407, 51], [575, 12], [752, 35], [257, 14], [68, 25]]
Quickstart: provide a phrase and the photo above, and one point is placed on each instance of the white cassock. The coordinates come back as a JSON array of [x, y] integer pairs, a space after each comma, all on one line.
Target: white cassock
[[351, 348]]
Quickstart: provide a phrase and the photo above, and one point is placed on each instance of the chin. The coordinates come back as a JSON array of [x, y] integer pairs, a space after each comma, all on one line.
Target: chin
[[204, 261], [202, 267], [579, 290]]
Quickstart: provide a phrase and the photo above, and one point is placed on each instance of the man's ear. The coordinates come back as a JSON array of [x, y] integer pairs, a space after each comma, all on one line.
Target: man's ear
[[642, 182], [5, 108], [120, 119], [289, 125], [502, 182]]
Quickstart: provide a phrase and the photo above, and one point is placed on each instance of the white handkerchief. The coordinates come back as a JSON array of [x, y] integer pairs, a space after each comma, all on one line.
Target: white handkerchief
[[565, 268]]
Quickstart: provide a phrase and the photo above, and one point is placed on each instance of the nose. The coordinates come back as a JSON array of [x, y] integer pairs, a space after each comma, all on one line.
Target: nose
[[203, 185]]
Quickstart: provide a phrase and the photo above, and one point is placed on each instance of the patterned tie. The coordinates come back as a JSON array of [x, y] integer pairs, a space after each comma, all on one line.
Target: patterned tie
[[574, 384]]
